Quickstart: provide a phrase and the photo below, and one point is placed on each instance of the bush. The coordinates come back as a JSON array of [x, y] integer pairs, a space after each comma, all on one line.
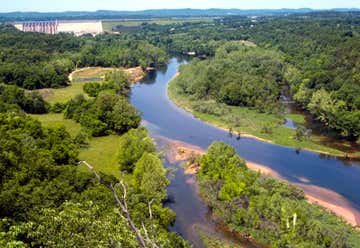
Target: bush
[[57, 107], [92, 88], [212, 108], [133, 145]]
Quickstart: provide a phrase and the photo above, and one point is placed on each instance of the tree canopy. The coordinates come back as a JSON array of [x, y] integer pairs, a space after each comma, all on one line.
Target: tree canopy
[[270, 211]]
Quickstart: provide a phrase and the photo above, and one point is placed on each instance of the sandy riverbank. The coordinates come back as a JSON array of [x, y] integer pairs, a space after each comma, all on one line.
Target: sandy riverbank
[[323, 197], [329, 200]]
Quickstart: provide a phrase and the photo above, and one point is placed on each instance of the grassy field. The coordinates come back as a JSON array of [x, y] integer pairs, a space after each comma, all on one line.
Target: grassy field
[[102, 152], [51, 120], [62, 95], [134, 73], [108, 25], [297, 118], [267, 127], [90, 72]]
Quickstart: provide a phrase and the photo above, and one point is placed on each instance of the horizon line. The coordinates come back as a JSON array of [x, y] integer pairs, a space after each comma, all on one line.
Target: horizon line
[[202, 9]]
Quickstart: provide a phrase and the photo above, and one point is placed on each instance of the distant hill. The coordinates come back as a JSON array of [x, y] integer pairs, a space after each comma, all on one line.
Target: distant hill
[[159, 13]]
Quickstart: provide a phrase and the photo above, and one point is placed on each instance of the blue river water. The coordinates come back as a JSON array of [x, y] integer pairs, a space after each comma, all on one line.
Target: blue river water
[[165, 119]]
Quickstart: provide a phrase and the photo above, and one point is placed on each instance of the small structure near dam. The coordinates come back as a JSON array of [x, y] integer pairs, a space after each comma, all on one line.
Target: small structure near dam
[[54, 27]]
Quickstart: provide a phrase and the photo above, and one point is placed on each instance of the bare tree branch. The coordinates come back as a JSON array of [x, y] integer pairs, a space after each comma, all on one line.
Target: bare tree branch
[[122, 205], [150, 211], [92, 169], [154, 245]]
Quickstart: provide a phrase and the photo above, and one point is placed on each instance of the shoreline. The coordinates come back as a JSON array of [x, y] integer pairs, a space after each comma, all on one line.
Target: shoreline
[[327, 199], [173, 99]]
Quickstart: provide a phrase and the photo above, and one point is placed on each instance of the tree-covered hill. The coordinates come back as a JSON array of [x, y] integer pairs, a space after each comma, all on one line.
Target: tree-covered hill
[[155, 13], [35, 61]]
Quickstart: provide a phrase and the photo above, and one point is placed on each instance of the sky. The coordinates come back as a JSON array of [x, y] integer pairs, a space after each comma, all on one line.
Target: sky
[[92, 5]]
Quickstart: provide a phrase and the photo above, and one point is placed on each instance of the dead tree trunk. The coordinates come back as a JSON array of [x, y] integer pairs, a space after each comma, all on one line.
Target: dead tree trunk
[[122, 205]]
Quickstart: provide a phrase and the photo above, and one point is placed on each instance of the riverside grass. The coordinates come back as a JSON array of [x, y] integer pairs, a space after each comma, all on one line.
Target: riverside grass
[[253, 124], [211, 242]]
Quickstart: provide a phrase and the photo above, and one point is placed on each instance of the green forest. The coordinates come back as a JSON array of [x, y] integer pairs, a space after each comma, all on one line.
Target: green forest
[[45, 61], [52, 195], [48, 197], [236, 76], [270, 211], [47, 202]]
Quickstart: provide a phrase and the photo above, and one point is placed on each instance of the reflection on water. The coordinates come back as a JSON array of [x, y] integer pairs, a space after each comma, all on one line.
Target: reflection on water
[[150, 77], [327, 136], [163, 118], [289, 123]]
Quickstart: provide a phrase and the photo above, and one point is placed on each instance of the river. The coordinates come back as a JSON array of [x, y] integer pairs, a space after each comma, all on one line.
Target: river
[[309, 170]]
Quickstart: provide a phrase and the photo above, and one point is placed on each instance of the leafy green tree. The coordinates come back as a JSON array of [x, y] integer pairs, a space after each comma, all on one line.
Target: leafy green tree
[[133, 145], [80, 225], [92, 88], [151, 176], [35, 104], [124, 117], [270, 211]]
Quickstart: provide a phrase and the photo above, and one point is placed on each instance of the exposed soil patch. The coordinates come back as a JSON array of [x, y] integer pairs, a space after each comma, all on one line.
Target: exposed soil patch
[[331, 201], [46, 93], [135, 74], [248, 43]]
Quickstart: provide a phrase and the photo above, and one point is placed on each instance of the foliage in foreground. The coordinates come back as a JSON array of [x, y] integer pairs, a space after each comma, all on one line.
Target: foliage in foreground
[[46, 201], [272, 212]]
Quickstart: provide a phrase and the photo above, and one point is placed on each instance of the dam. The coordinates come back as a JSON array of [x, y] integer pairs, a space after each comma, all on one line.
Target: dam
[[78, 28]]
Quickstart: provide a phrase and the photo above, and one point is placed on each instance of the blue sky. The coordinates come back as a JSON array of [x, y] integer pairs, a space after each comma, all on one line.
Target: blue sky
[[63, 5]]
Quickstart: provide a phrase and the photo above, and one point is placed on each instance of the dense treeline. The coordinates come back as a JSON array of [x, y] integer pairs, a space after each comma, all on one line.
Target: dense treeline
[[325, 53], [34, 61], [237, 75], [109, 112], [182, 38], [16, 99], [46, 201], [272, 212], [321, 48]]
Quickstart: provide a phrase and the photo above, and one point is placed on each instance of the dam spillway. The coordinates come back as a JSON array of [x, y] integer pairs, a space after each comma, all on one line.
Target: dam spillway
[[48, 27], [78, 28]]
